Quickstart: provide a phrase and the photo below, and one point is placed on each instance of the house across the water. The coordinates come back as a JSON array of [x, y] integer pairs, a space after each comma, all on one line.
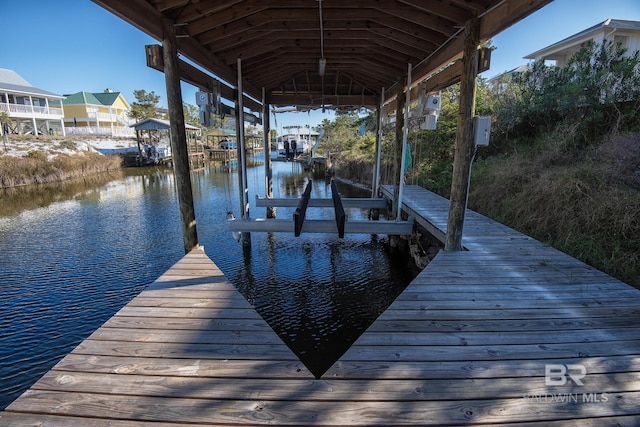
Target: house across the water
[[97, 113], [31, 110]]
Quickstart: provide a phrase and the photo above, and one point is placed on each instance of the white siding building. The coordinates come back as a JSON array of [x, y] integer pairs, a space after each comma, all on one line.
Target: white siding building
[[31, 110], [623, 32]]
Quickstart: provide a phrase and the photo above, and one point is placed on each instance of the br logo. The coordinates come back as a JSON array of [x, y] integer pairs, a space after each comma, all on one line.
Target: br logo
[[556, 374]]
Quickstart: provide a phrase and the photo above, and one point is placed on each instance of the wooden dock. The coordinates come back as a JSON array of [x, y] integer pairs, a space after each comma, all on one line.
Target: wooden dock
[[222, 155], [469, 342], [197, 159]]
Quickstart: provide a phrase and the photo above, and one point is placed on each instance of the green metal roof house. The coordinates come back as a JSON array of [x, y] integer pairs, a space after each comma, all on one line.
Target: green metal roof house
[[97, 113]]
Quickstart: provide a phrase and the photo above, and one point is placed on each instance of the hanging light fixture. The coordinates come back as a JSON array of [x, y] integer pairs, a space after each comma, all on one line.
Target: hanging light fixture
[[322, 63]]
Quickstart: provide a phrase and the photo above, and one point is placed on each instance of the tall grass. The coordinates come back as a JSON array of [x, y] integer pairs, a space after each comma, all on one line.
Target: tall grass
[[35, 168], [584, 203]]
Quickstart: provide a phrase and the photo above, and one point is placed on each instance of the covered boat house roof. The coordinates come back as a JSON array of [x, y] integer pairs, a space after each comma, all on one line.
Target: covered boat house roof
[[158, 124], [323, 53], [377, 54]]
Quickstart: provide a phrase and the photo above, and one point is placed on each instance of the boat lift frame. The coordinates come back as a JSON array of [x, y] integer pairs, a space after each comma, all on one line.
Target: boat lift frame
[[340, 225]]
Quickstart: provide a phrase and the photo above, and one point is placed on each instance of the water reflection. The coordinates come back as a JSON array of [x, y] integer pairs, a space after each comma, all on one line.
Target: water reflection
[[72, 258], [16, 200]]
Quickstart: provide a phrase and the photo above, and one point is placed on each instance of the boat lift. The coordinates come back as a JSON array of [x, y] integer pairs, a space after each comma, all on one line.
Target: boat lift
[[340, 225], [298, 224]]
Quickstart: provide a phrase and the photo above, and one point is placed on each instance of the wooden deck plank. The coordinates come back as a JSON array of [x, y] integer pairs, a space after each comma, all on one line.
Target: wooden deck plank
[[466, 343], [336, 390], [65, 421], [186, 337], [461, 352], [314, 412], [206, 368], [498, 325], [521, 368], [191, 351], [509, 314], [124, 322], [426, 339]]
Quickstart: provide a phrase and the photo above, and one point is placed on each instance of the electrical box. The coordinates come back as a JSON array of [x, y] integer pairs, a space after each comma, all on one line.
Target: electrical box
[[481, 130], [205, 118], [202, 98], [433, 102], [430, 121]]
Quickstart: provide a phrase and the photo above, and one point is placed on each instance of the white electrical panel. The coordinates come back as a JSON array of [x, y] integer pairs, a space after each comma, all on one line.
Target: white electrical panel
[[202, 98], [481, 130], [430, 121], [433, 102]]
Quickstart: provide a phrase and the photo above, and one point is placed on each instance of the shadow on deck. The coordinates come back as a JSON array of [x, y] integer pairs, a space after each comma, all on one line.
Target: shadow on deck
[[509, 331]]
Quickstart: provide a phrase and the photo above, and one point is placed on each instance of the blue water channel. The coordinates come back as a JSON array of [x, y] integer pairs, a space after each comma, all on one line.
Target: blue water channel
[[70, 260]]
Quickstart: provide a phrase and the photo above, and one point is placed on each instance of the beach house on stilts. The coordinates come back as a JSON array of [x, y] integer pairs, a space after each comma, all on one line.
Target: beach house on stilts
[[31, 110]]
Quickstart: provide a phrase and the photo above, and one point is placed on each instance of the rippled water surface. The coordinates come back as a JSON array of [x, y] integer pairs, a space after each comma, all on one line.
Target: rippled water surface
[[70, 264]]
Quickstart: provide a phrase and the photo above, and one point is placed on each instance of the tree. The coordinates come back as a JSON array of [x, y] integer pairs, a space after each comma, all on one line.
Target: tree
[[341, 133], [145, 106], [191, 113], [597, 92]]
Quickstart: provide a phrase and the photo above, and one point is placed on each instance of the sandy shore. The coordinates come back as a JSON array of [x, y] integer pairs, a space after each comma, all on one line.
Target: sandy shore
[[20, 145]]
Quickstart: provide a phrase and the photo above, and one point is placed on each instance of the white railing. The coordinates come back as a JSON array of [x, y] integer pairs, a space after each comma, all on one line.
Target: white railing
[[110, 118], [30, 109], [100, 130], [103, 117]]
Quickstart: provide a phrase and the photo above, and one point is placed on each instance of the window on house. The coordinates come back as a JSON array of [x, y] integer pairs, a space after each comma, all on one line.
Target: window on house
[[620, 41]]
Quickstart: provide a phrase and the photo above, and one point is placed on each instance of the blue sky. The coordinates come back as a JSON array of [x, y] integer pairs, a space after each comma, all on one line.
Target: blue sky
[[67, 46]]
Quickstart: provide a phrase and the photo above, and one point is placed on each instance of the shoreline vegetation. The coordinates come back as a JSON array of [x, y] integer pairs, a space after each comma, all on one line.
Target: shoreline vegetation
[[563, 163], [37, 169], [584, 202], [44, 160]]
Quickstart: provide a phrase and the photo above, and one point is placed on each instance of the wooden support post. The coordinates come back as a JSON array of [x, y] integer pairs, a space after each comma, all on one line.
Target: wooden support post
[[178, 137], [139, 162], [242, 155], [405, 133], [464, 137], [397, 158], [375, 188], [268, 166]]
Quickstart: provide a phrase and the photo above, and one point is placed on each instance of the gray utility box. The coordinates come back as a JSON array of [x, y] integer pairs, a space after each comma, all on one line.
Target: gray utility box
[[481, 130]]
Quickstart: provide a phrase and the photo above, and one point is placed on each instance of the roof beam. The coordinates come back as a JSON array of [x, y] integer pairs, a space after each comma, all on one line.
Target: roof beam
[[369, 101], [440, 8], [143, 16], [492, 22], [279, 41], [409, 34], [410, 14], [190, 12], [198, 78]]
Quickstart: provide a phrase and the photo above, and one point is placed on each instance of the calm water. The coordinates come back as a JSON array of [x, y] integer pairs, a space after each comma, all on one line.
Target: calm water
[[71, 257]]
